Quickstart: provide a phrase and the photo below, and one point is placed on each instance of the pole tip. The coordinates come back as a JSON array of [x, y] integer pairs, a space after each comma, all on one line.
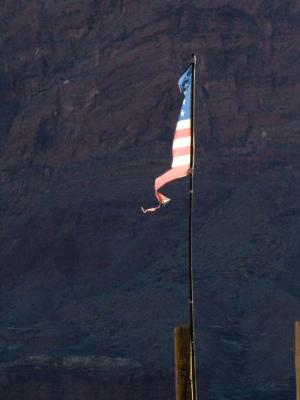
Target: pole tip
[[193, 56]]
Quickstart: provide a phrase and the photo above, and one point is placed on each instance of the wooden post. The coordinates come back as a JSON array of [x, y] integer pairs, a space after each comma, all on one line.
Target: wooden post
[[297, 357], [183, 382]]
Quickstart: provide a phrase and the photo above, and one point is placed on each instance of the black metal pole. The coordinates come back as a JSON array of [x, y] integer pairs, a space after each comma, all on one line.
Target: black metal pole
[[191, 188]]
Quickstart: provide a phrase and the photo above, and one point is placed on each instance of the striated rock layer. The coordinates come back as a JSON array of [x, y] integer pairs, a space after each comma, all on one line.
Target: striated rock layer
[[88, 104]]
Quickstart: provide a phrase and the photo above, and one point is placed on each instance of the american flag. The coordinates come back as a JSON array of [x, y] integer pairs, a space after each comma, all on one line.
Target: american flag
[[181, 149]]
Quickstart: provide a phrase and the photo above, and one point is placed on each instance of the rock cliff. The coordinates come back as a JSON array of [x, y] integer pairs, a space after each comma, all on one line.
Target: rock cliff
[[88, 104]]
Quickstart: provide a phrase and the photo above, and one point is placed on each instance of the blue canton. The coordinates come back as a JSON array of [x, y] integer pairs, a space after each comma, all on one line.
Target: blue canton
[[184, 84]]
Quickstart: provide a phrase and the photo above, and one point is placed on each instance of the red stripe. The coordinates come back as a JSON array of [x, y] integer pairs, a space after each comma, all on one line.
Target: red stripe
[[182, 133], [183, 151], [170, 175]]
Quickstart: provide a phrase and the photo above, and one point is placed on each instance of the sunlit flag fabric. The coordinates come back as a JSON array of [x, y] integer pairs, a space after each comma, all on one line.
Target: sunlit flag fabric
[[181, 149]]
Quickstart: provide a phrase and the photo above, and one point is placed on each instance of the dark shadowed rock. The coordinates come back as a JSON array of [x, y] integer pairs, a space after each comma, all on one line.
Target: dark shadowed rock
[[91, 289]]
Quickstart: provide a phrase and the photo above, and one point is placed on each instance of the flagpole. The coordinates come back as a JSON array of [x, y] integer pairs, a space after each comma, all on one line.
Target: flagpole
[[191, 188]]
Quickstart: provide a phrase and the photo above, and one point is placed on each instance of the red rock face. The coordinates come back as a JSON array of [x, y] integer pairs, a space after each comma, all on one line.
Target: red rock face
[[84, 78], [88, 104]]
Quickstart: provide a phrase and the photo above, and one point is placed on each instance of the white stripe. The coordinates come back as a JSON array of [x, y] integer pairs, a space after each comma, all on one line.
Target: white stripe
[[181, 142], [183, 124], [180, 161]]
